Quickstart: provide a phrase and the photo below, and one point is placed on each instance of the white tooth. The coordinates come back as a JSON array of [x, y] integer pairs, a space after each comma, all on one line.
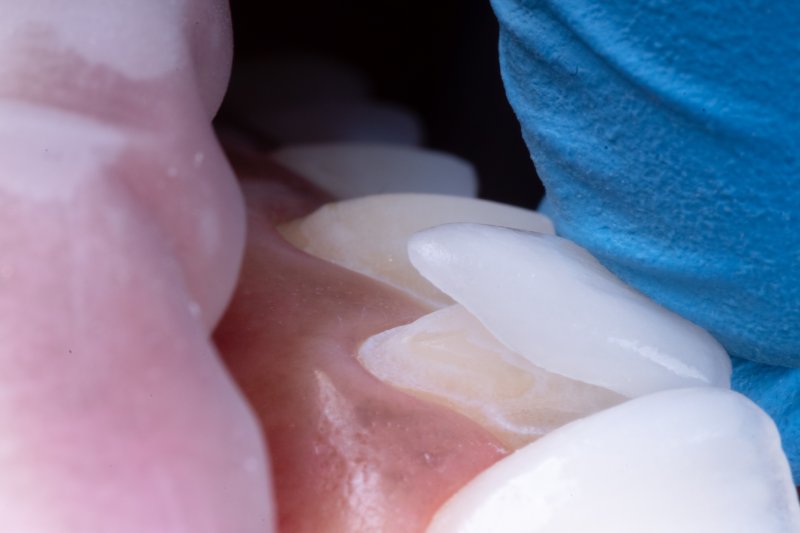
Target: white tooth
[[449, 357], [552, 302], [369, 235], [362, 121], [702, 460], [351, 170]]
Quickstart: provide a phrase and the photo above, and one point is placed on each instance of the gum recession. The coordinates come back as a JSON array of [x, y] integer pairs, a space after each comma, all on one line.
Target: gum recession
[[348, 452]]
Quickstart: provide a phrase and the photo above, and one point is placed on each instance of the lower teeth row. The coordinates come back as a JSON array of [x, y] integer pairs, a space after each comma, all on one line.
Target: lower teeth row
[[508, 359]]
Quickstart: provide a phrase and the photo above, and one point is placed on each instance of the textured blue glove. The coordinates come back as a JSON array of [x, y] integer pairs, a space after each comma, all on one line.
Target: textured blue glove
[[667, 134]]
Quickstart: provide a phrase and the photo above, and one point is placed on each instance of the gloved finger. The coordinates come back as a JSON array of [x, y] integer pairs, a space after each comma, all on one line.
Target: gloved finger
[[666, 139]]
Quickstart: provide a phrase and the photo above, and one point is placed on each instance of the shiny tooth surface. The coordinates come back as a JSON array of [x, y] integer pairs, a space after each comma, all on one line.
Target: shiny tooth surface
[[702, 460], [355, 121], [351, 170], [448, 357], [550, 301], [370, 235]]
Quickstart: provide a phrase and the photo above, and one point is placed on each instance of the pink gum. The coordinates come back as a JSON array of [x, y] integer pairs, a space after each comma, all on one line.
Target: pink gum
[[349, 453]]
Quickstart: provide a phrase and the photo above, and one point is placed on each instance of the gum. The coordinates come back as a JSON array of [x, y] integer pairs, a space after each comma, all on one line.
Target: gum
[[348, 452]]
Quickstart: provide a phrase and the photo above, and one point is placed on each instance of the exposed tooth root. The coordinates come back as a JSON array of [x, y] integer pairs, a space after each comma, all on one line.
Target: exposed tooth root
[[552, 302], [352, 170], [449, 357], [369, 235], [702, 460]]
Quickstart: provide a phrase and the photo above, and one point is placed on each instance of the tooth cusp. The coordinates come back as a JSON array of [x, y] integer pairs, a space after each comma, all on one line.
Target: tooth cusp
[[553, 303], [448, 357], [369, 235]]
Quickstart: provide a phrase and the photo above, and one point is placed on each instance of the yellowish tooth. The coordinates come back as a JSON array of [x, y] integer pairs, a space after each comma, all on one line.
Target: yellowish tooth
[[370, 235], [449, 357]]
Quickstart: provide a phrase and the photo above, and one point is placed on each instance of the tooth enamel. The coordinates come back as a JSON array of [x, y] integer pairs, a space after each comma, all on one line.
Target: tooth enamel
[[351, 170], [700, 460], [449, 357], [369, 235], [362, 121], [552, 302]]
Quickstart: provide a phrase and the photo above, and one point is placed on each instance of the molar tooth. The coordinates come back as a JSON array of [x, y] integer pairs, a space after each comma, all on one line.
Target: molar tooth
[[369, 235], [351, 170], [702, 460], [552, 302], [449, 357]]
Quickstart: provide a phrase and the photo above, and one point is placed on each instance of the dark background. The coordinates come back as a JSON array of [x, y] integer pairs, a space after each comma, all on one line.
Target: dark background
[[438, 58]]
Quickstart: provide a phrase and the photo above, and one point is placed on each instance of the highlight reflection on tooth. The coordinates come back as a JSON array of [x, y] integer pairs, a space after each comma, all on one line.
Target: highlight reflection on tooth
[[369, 235], [351, 170], [552, 302], [702, 460], [449, 357]]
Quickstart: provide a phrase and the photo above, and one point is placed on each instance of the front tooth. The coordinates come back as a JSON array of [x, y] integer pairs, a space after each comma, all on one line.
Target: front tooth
[[450, 358], [702, 460], [552, 302], [369, 235], [351, 170]]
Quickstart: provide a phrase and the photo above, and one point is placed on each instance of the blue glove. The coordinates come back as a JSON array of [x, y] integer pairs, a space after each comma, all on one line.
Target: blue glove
[[667, 135]]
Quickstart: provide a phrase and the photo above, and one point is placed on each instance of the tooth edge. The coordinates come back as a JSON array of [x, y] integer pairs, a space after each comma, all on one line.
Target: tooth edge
[[454, 257]]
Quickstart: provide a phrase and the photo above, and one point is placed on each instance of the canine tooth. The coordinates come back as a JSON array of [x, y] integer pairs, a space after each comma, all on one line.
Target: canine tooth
[[356, 121], [351, 170], [702, 460], [552, 302], [450, 358], [369, 235]]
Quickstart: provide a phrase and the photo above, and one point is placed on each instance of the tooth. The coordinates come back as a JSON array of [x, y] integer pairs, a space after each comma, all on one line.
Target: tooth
[[369, 235], [349, 453], [364, 121], [692, 460], [552, 302], [350, 170], [450, 358]]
